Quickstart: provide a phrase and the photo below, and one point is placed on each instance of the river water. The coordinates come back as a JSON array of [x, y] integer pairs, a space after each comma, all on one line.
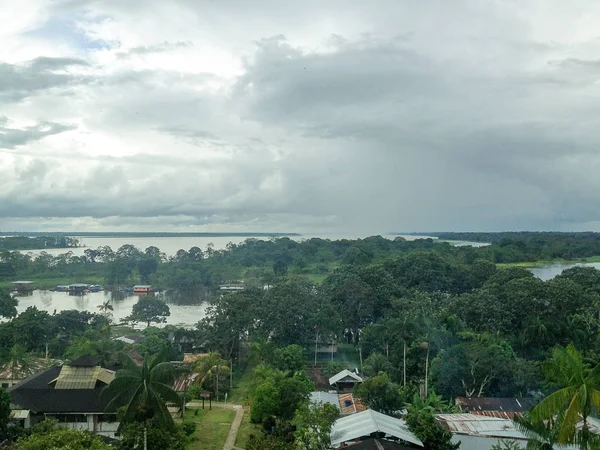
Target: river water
[[181, 314], [551, 270]]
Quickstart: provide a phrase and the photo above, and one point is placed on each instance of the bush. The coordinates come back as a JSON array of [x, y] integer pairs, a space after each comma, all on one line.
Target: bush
[[195, 392], [189, 427]]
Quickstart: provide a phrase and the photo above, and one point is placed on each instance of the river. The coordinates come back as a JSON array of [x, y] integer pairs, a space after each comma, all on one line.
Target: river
[[551, 270]]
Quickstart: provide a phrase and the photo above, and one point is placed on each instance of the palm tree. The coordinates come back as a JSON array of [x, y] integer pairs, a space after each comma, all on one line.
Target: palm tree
[[105, 307], [144, 391], [211, 369], [20, 362], [578, 398]]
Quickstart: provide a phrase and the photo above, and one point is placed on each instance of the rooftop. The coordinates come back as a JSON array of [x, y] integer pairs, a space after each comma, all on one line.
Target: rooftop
[[345, 376], [495, 404], [365, 423], [52, 391], [325, 397], [477, 425]]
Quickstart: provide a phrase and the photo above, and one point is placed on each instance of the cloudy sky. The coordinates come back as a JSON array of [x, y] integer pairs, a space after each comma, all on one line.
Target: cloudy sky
[[311, 116]]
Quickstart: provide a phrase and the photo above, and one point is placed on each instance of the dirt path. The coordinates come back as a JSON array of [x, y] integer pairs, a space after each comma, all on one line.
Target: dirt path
[[235, 426]]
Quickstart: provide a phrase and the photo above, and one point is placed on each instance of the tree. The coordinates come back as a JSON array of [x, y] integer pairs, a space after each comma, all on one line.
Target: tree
[[313, 423], [61, 438], [265, 403], [541, 435], [292, 392], [422, 423], [380, 394], [578, 396], [33, 328], [4, 414], [21, 363], [150, 309], [213, 373], [158, 437], [376, 364], [144, 391], [291, 358], [8, 304]]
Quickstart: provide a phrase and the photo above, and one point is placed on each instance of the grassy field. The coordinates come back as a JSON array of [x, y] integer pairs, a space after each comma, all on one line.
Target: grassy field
[[245, 430], [212, 427]]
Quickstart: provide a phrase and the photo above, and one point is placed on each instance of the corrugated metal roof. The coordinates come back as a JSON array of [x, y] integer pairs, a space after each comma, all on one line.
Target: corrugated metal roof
[[509, 404], [367, 422], [184, 382], [344, 374], [106, 376], [325, 397], [77, 377], [498, 414], [478, 425]]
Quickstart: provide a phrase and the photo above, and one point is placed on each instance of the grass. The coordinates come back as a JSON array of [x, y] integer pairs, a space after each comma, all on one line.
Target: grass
[[246, 429], [241, 385], [212, 427]]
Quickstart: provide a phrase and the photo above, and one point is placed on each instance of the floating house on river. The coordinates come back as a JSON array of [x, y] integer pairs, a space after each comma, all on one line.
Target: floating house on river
[[77, 289], [143, 289], [23, 287]]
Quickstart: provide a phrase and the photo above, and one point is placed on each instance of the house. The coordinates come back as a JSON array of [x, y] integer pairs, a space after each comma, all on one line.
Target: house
[[370, 424], [69, 394], [184, 381], [325, 397], [23, 287], [130, 339], [77, 289], [344, 380], [500, 407], [377, 444], [13, 373], [191, 358], [143, 289]]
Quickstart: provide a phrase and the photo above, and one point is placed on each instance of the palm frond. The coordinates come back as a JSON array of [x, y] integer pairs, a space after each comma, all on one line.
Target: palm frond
[[163, 372], [119, 386], [572, 416], [166, 392], [127, 363], [162, 356], [552, 404], [162, 414]]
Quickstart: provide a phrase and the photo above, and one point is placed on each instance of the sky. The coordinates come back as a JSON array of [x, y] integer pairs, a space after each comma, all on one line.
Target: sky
[[313, 117]]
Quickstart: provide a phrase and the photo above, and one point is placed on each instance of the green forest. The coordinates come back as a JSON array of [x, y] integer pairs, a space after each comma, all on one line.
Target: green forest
[[424, 321]]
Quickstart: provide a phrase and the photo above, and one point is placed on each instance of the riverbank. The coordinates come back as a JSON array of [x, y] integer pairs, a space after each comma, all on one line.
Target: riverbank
[[550, 262]]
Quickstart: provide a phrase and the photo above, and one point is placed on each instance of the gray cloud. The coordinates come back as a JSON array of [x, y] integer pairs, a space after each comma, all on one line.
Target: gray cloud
[[19, 81], [11, 138]]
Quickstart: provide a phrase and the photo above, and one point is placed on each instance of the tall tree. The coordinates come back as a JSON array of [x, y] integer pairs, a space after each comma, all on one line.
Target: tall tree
[[8, 304], [143, 391], [150, 309]]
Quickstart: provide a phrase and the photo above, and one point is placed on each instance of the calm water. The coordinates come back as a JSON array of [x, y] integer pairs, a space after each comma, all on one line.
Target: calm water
[[181, 314], [550, 271]]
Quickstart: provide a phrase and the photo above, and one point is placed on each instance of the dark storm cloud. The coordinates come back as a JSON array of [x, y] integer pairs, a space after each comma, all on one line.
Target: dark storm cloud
[[11, 138]]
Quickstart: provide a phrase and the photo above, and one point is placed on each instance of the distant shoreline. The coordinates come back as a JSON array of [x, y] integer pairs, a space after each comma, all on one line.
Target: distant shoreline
[[140, 234]]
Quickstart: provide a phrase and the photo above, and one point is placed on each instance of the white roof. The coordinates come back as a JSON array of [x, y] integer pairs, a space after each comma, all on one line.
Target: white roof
[[125, 339], [366, 422], [19, 414], [343, 374], [325, 397]]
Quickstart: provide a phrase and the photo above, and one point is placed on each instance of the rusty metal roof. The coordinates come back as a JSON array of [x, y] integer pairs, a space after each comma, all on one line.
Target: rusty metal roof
[[495, 404], [478, 425], [498, 414]]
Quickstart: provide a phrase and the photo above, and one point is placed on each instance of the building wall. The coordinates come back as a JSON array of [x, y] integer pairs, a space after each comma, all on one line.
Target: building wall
[[481, 442], [90, 423]]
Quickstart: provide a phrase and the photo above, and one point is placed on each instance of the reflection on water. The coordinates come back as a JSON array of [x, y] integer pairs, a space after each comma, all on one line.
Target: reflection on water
[[550, 271], [184, 310]]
